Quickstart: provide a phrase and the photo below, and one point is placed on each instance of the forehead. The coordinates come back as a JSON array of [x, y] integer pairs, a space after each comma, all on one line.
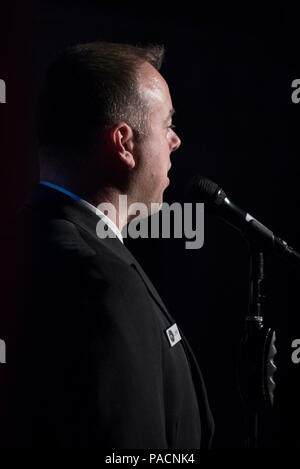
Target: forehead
[[154, 87]]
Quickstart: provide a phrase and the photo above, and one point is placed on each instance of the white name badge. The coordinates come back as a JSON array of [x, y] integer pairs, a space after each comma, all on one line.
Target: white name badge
[[173, 335]]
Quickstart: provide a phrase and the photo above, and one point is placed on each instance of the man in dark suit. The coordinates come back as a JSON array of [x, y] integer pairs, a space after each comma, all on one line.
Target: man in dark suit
[[100, 361]]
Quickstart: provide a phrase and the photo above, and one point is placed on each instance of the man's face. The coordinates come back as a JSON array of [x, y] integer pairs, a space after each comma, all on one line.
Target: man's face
[[153, 152]]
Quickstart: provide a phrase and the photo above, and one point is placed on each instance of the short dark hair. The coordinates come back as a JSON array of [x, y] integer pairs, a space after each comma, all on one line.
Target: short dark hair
[[92, 86]]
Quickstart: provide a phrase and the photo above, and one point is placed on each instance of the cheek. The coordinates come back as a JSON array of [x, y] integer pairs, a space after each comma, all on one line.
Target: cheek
[[156, 158]]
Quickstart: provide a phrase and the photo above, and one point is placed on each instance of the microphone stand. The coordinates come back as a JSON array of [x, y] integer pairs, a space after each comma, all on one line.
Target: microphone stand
[[257, 366]]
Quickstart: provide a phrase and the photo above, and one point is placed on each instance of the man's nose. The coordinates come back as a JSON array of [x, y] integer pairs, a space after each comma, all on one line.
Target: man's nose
[[176, 142]]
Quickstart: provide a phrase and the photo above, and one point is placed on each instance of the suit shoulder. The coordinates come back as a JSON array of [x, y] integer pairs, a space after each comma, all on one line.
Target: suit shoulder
[[60, 238]]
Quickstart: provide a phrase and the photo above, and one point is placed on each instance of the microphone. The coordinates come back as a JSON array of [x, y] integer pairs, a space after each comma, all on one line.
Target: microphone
[[204, 190]]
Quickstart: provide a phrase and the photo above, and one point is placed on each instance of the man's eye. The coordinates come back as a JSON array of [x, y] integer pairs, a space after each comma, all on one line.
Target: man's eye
[[172, 126]]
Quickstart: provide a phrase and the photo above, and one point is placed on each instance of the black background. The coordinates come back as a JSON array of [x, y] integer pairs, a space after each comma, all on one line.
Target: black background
[[230, 75]]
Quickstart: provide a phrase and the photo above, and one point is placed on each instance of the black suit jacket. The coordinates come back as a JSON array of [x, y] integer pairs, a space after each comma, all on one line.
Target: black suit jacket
[[92, 365]]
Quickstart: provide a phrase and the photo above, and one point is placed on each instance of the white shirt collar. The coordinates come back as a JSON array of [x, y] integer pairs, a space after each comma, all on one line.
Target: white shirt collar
[[91, 207]]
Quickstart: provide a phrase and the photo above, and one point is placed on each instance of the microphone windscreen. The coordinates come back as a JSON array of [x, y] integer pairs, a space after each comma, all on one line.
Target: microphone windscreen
[[201, 189]]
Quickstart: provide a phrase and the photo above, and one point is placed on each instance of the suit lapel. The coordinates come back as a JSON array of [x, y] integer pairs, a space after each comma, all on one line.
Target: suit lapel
[[152, 290]]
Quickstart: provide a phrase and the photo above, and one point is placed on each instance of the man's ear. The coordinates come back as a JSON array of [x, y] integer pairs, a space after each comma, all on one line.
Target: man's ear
[[122, 139]]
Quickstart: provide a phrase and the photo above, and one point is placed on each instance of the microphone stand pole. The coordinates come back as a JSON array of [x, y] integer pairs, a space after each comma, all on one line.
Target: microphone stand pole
[[258, 350]]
